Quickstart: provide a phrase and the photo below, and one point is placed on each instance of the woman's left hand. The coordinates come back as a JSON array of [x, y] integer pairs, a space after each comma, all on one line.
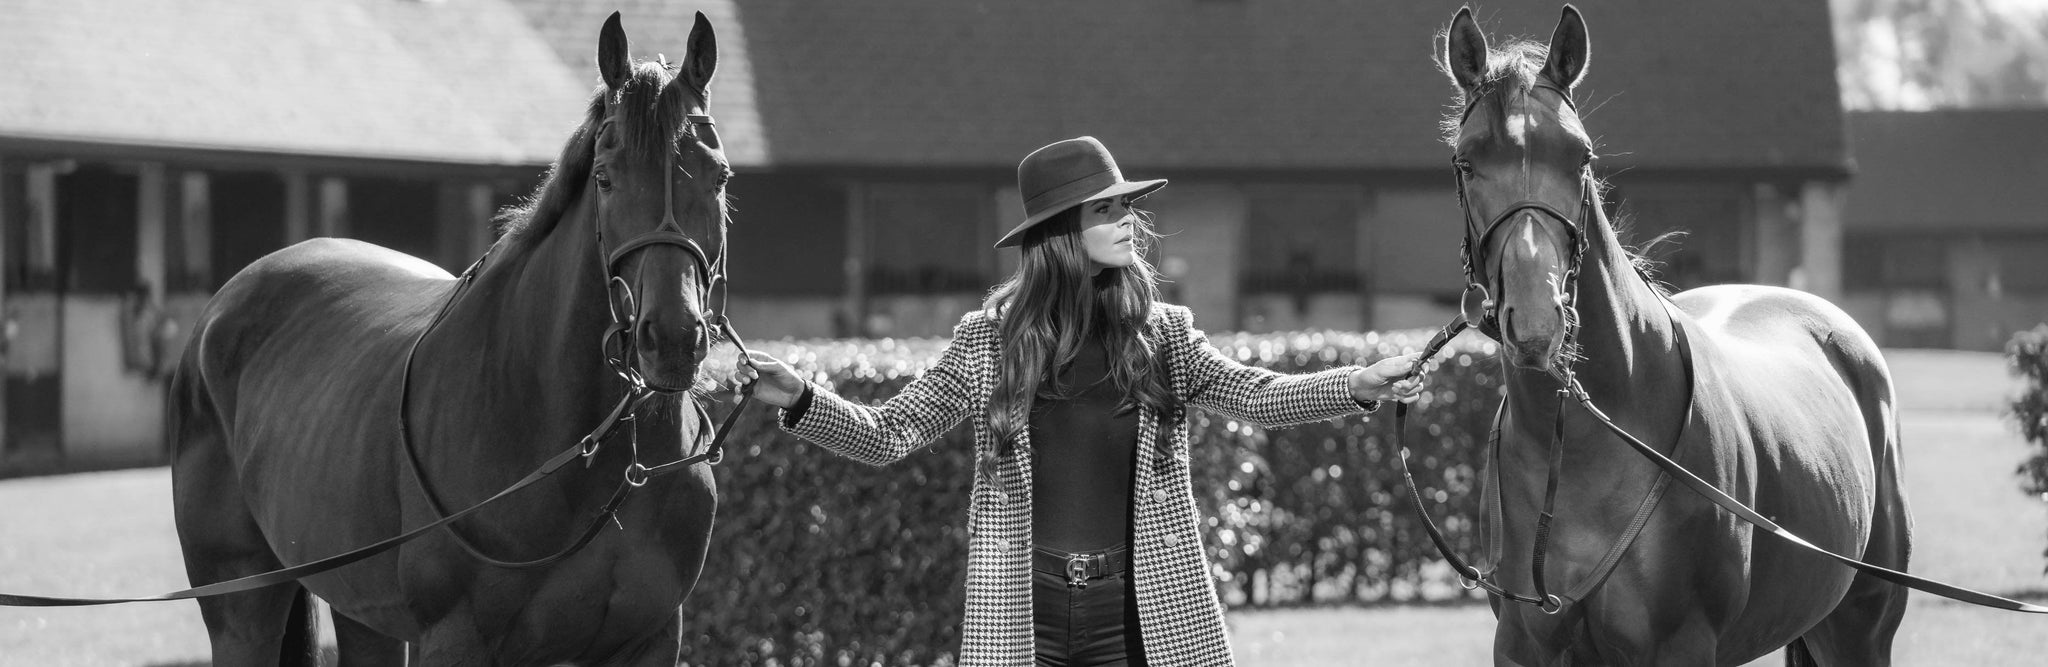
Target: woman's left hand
[[1387, 380]]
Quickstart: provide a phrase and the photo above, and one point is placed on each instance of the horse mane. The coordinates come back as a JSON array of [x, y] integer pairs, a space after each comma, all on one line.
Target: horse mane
[[648, 112], [1642, 256]]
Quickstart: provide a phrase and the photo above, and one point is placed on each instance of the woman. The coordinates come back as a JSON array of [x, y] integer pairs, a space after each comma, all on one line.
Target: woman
[[1083, 544]]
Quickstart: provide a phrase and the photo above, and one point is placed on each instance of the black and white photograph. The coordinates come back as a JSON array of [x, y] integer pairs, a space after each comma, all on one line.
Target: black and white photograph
[[973, 333]]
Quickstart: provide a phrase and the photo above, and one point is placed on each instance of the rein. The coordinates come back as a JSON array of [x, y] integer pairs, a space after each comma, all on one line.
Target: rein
[[1477, 308], [622, 413]]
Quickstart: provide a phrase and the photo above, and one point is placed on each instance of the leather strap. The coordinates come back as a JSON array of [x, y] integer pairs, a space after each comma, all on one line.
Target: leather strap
[[1093, 565]]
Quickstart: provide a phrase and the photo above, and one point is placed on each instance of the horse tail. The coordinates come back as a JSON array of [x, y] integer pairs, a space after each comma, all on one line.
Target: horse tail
[[1796, 655], [301, 646]]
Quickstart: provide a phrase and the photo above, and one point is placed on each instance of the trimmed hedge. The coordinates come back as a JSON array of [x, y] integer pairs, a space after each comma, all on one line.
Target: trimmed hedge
[[818, 560], [2027, 352]]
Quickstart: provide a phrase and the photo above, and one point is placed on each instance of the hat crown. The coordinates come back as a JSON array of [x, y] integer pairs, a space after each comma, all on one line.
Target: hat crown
[[1071, 165], [1066, 174]]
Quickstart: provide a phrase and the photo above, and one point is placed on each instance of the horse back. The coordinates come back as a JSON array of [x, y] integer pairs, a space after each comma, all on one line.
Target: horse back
[[1797, 367], [296, 362]]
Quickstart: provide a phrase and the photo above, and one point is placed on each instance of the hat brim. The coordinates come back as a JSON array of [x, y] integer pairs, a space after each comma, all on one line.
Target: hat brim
[[1137, 188]]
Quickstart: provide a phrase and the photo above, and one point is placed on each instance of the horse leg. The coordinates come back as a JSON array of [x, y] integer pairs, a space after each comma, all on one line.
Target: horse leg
[[361, 646], [268, 626], [453, 641], [220, 540], [1797, 655], [1860, 629], [662, 647]]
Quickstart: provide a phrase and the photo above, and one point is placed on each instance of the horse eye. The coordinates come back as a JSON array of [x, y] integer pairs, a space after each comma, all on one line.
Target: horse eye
[[604, 181]]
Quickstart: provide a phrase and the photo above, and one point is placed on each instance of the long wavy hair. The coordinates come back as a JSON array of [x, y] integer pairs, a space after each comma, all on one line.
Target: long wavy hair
[[1055, 304]]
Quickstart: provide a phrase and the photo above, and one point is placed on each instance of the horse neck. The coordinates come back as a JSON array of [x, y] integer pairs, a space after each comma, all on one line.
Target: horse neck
[[1628, 356], [530, 330]]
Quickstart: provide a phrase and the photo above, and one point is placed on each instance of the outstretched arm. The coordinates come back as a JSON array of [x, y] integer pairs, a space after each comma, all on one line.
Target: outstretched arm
[[872, 434], [1219, 383]]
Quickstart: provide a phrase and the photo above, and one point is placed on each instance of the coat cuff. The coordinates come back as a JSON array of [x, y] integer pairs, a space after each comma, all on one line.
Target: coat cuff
[[795, 412]]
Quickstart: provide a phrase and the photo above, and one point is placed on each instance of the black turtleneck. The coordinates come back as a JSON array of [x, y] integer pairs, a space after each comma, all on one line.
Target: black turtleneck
[[1083, 450]]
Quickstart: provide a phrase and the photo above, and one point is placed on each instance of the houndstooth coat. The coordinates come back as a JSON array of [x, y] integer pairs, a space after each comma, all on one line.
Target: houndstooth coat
[[1180, 618]]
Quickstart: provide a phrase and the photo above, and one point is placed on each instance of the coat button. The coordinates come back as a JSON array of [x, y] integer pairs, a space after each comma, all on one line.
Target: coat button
[[1003, 544], [1159, 495], [1172, 540]]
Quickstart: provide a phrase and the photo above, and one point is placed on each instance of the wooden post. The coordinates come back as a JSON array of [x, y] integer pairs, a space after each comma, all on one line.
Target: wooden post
[[858, 255], [1820, 235], [151, 216], [195, 226], [333, 207], [298, 206]]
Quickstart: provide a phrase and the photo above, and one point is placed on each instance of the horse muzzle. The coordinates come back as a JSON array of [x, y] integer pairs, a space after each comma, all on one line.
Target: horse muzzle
[[668, 350]]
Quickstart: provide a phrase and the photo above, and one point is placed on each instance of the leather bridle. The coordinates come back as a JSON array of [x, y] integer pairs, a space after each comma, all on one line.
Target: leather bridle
[[619, 350], [619, 346], [1477, 308], [1477, 304]]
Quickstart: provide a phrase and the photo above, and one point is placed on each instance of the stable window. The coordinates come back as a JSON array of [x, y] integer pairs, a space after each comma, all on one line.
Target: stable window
[[1301, 259], [395, 213], [245, 220], [1713, 248], [925, 256]]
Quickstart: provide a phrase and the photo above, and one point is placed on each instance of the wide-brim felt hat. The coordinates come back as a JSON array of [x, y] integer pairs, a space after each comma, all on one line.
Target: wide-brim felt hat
[[1067, 174]]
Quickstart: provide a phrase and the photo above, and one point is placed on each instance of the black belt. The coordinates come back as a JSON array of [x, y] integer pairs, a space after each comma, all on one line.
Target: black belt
[[1081, 567]]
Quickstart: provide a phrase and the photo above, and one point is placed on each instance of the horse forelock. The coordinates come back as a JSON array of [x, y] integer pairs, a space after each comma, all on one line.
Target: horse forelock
[[1513, 66], [652, 117]]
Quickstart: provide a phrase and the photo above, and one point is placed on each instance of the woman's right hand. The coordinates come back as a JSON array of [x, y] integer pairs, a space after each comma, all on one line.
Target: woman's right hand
[[774, 382]]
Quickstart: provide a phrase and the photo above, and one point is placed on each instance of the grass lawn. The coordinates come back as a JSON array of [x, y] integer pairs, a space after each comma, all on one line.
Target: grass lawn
[[106, 534]]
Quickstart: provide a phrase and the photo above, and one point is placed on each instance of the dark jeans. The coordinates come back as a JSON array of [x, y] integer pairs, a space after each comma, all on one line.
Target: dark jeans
[[1097, 625]]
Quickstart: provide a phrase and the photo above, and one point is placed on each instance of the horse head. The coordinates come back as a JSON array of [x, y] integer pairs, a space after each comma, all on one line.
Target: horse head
[[1524, 171], [659, 174]]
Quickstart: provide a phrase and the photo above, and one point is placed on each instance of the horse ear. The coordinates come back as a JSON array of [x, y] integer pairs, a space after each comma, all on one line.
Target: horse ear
[[612, 60], [1465, 51], [702, 60], [1569, 50]]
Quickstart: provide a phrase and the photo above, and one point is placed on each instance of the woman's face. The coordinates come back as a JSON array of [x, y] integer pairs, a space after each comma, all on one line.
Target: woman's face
[[1108, 227]]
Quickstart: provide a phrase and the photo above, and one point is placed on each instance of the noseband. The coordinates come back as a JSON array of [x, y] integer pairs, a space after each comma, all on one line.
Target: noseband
[[1477, 304], [619, 345]]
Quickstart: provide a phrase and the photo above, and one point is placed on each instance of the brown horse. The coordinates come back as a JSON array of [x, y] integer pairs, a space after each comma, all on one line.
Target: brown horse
[[287, 411], [1773, 395]]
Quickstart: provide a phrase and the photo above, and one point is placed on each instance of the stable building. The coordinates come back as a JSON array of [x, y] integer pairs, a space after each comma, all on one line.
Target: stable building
[[877, 145], [148, 151], [1947, 226]]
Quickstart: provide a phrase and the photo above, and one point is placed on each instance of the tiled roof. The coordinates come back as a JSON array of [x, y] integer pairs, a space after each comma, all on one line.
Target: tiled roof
[[1957, 170], [454, 81], [1179, 84], [663, 27], [1244, 84]]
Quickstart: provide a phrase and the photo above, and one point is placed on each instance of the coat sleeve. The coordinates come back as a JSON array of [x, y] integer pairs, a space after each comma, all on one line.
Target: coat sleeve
[[1221, 384], [923, 411]]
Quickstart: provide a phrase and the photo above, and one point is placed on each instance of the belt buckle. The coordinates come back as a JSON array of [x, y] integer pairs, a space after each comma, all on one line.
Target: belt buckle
[[1077, 571]]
